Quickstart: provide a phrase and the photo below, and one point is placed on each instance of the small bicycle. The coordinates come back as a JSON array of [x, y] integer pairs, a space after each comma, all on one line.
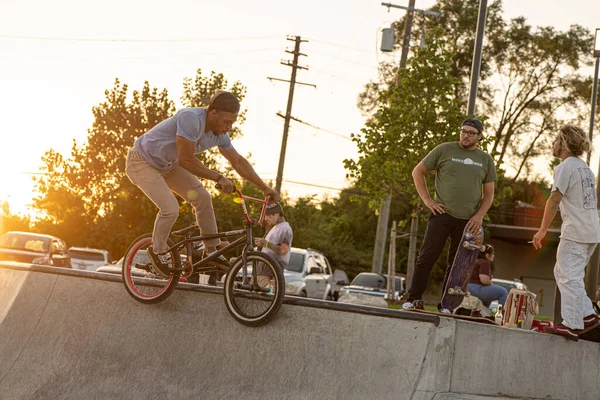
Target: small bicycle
[[254, 285]]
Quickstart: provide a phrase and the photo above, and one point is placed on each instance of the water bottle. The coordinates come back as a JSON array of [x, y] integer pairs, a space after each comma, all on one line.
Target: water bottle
[[499, 315]]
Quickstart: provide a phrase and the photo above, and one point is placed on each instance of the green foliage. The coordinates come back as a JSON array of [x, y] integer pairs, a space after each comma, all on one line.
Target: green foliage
[[87, 199], [530, 82], [421, 113]]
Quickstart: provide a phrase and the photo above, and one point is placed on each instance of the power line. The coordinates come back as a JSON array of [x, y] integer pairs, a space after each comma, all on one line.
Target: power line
[[293, 82], [375, 65], [329, 74], [316, 127], [186, 55], [352, 191], [79, 39], [340, 45]]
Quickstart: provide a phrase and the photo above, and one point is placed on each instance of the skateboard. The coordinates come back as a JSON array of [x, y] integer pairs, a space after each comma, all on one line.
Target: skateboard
[[481, 320], [461, 269]]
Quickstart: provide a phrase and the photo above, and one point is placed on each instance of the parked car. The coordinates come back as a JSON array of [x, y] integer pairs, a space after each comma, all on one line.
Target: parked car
[[89, 259], [373, 284], [514, 284], [140, 258], [34, 248], [308, 274]]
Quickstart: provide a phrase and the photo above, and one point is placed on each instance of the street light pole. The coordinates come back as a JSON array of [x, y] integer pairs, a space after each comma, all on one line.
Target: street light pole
[[591, 276], [384, 210], [476, 66]]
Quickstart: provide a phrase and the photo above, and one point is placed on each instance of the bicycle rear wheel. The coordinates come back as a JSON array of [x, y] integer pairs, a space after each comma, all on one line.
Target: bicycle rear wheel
[[254, 303], [140, 282]]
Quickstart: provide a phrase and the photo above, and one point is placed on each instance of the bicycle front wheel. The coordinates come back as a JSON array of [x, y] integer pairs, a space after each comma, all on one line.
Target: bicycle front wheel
[[140, 282], [254, 292]]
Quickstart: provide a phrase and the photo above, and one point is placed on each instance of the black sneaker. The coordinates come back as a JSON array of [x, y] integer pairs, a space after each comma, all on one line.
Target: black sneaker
[[220, 261], [418, 304], [160, 263]]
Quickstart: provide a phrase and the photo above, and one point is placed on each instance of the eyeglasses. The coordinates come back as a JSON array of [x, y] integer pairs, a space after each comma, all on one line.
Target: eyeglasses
[[470, 133]]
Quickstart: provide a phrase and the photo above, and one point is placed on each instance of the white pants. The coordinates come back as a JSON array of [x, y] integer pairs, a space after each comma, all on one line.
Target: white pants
[[569, 272]]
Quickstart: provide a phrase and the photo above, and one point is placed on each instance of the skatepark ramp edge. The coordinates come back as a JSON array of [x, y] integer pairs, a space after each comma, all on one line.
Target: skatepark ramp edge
[[68, 334]]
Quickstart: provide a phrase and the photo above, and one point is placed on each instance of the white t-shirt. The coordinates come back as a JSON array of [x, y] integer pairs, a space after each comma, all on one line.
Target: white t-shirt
[[578, 207], [280, 233]]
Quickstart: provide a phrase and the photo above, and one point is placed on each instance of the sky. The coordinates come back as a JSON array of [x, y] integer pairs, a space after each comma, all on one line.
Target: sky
[[57, 59]]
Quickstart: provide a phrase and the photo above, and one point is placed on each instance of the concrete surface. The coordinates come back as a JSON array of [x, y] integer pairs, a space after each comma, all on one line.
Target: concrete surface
[[78, 335]]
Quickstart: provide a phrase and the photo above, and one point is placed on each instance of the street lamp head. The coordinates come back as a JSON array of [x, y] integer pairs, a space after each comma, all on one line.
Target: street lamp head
[[597, 43]]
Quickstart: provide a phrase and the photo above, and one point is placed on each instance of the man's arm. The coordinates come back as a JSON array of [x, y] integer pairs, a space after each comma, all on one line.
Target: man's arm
[[187, 160], [550, 211], [282, 248], [486, 202], [246, 171], [418, 175]]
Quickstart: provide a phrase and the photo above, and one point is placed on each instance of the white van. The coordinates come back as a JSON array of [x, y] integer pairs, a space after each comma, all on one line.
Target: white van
[[89, 259]]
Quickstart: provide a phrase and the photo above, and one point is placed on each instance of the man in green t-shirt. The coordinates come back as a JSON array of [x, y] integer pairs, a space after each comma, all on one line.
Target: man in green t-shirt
[[464, 191]]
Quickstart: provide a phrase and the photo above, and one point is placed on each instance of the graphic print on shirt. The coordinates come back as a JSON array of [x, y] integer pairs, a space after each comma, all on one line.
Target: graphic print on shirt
[[467, 161], [588, 190]]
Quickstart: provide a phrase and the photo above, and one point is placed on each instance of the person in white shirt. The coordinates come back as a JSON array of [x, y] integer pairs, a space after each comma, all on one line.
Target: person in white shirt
[[574, 192], [277, 242]]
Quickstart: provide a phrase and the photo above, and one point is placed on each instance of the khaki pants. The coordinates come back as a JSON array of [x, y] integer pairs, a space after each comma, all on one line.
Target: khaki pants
[[158, 186]]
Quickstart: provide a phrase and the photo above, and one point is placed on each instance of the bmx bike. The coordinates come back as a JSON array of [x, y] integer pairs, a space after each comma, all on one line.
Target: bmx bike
[[254, 285]]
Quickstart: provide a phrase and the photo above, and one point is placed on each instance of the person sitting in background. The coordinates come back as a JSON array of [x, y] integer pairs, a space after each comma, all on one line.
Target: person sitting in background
[[480, 284], [278, 240]]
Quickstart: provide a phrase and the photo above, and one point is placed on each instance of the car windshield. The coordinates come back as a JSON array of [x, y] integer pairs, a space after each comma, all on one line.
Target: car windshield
[[25, 242], [296, 262], [369, 280], [86, 255]]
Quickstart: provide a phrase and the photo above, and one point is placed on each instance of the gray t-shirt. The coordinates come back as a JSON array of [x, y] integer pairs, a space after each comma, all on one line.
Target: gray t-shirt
[[280, 233], [158, 145], [578, 206]]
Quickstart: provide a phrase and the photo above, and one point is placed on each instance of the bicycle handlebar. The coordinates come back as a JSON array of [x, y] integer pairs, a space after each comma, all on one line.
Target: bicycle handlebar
[[254, 199]]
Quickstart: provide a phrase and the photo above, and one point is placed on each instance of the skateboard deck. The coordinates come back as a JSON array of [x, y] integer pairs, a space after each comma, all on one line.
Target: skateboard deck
[[481, 320], [461, 269]]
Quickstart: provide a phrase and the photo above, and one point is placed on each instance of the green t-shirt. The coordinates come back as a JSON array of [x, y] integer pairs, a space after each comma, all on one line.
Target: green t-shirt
[[460, 174]]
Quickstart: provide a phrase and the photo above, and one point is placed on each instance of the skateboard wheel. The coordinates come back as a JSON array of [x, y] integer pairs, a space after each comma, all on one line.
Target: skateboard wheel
[[451, 291], [466, 243], [481, 248]]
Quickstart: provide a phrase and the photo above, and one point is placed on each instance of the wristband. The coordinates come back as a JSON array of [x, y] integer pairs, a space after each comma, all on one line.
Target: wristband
[[219, 178]]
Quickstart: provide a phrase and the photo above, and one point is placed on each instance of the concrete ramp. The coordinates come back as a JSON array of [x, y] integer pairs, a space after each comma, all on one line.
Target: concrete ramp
[[78, 335]]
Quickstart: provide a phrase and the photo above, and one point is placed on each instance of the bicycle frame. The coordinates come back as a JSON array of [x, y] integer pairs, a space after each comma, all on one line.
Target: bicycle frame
[[246, 234]]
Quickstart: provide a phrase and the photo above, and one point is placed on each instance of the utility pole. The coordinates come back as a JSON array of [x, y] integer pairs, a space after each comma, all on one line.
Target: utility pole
[[288, 114], [384, 209], [476, 66]]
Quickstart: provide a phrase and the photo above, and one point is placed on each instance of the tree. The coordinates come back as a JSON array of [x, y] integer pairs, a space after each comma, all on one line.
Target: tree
[[529, 83], [10, 221], [86, 198], [422, 112]]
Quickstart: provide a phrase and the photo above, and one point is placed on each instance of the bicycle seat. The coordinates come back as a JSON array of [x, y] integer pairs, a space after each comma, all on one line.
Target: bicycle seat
[[189, 231]]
